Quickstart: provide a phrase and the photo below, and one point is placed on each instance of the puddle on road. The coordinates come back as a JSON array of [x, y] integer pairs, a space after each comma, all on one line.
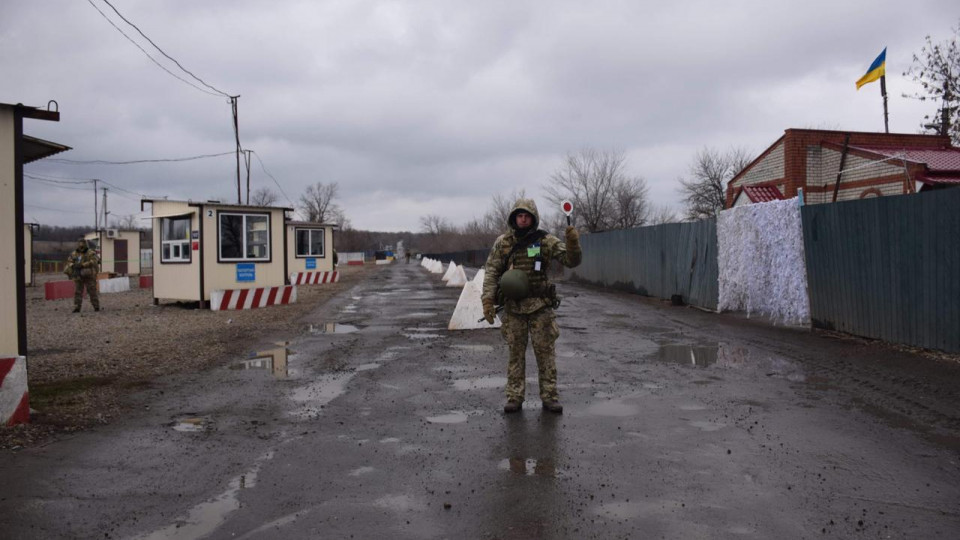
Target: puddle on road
[[620, 510], [367, 367], [731, 356], [190, 423], [453, 417], [315, 396], [416, 315], [696, 356], [361, 470], [473, 348], [480, 383], [615, 408], [422, 336], [400, 503], [332, 328], [273, 361], [204, 518], [703, 425], [529, 466]]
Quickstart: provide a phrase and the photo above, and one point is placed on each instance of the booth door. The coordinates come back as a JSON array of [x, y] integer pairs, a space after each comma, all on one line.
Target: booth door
[[120, 257]]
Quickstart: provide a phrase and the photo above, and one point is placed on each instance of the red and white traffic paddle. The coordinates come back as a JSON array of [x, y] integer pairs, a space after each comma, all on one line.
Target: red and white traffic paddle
[[567, 208]]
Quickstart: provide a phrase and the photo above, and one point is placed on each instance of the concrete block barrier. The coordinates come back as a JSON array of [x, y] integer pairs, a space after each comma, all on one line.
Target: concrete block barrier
[[252, 298], [14, 398]]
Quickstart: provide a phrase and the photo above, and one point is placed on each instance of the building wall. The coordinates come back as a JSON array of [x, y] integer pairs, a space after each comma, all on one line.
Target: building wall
[[27, 255], [299, 264], [863, 176], [133, 250], [223, 275], [175, 281], [770, 167], [10, 233]]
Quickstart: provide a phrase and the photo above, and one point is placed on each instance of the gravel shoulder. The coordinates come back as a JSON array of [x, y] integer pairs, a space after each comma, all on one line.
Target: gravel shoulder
[[82, 366]]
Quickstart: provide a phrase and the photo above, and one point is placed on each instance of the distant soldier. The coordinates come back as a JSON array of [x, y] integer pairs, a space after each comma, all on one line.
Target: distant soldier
[[82, 268], [516, 270]]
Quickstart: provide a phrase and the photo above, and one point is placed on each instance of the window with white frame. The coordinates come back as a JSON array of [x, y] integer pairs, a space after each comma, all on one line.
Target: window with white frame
[[309, 242], [244, 237], [175, 239]]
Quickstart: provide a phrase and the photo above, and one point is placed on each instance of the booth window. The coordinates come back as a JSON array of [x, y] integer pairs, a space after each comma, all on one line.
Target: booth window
[[309, 242], [175, 239], [244, 237]]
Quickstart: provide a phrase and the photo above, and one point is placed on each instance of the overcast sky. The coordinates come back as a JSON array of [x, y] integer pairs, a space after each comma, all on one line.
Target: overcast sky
[[433, 107]]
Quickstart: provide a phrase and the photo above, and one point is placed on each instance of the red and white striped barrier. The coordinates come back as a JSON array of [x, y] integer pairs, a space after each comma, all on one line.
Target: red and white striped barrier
[[14, 398], [314, 278], [252, 298]]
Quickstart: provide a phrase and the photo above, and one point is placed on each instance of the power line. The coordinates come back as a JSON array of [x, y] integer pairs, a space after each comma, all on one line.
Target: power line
[[172, 59], [152, 59], [272, 178], [58, 180], [56, 209], [133, 162]]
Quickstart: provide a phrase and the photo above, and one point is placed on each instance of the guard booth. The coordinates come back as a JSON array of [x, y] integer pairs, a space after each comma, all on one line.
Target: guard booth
[[310, 252], [222, 255], [119, 250], [16, 150]]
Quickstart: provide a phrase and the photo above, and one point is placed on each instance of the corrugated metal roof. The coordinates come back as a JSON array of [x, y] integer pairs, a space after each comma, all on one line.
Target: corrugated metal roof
[[939, 179], [936, 159], [763, 193]]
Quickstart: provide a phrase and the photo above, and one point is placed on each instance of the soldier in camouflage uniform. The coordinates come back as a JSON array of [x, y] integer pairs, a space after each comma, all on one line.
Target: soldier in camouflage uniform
[[530, 250], [82, 268]]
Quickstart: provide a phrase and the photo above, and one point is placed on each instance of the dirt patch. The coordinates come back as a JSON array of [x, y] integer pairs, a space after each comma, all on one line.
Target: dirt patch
[[81, 366]]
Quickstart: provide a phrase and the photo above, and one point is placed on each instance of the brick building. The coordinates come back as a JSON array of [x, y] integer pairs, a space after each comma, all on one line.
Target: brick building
[[873, 165]]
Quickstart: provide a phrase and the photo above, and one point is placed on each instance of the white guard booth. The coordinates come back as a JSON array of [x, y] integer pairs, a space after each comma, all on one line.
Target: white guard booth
[[309, 252], [16, 150], [119, 251], [230, 256]]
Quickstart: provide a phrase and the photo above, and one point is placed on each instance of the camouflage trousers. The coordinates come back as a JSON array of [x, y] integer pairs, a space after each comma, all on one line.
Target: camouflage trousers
[[91, 286], [541, 329]]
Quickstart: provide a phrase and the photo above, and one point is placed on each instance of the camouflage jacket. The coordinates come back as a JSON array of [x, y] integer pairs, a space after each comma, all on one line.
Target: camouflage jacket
[[82, 265], [534, 248]]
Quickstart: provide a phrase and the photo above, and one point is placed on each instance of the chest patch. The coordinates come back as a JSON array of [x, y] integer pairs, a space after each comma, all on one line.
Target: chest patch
[[533, 250]]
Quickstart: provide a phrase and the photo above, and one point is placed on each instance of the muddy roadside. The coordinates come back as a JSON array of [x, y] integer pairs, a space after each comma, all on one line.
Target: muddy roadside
[[83, 366]]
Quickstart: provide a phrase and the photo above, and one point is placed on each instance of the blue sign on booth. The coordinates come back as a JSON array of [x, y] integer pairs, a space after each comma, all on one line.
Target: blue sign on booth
[[246, 272], [312, 263]]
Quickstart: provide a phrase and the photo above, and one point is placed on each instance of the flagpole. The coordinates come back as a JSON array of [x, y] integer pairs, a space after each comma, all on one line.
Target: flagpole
[[883, 92]]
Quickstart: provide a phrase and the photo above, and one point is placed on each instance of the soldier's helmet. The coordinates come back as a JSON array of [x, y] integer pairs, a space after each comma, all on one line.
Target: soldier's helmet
[[514, 284]]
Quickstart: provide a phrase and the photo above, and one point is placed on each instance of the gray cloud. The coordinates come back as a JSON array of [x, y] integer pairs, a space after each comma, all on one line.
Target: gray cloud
[[433, 107]]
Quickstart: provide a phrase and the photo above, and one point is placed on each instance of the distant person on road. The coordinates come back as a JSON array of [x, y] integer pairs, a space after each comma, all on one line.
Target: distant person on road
[[516, 278], [406, 255], [82, 268]]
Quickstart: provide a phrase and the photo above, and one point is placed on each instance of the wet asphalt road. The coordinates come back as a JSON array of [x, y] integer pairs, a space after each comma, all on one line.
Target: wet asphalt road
[[380, 423]]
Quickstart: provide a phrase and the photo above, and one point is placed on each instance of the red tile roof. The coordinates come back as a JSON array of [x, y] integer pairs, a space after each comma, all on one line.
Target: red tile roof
[[953, 179], [762, 193], [936, 159]]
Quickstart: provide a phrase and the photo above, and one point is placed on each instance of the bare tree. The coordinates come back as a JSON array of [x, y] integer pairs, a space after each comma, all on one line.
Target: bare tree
[[661, 215], [128, 223], [597, 184], [435, 225], [705, 191], [263, 197], [318, 203], [937, 69]]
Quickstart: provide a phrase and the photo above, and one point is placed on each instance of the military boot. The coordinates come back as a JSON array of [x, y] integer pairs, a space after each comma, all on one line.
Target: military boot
[[513, 406], [76, 310], [553, 406]]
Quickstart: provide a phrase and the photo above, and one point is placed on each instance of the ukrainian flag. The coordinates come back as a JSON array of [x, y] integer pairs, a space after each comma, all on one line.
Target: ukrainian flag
[[877, 69]]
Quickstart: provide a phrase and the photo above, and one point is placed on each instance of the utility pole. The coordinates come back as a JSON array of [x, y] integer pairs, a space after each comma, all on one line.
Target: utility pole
[[246, 154], [236, 132], [96, 212], [105, 213]]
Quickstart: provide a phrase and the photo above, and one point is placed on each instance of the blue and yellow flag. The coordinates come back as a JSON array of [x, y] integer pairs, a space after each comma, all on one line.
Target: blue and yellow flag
[[877, 69]]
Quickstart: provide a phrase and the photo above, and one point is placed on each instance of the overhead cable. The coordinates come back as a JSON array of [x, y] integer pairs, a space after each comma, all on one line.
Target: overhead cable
[[133, 162], [152, 59], [172, 59]]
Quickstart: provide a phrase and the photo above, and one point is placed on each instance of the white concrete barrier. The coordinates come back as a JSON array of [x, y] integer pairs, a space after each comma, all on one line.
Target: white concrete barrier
[[14, 397]]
